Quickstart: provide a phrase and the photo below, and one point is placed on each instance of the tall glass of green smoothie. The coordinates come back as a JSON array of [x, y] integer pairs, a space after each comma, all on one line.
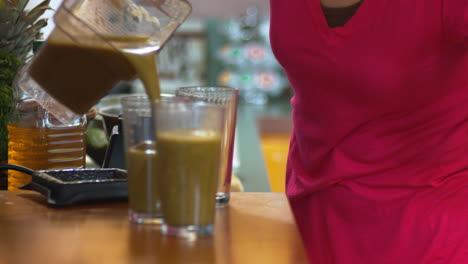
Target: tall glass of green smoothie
[[188, 140], [228, 98], [141, 157]]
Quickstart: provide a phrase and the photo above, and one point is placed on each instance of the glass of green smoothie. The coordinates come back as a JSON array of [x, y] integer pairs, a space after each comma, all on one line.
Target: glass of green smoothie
[[228, 98], [140, 149], [188, 140]]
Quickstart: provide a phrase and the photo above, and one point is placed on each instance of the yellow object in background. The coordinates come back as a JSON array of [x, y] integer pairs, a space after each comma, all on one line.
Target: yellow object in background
[[275, 148], [236, 184]]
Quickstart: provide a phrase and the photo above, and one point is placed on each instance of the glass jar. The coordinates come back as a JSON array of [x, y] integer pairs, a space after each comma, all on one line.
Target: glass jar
[[39, 141]]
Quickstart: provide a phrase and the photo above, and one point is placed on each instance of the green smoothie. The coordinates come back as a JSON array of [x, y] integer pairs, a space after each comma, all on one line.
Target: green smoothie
[[79, 75], [143, 192], [188, 166]]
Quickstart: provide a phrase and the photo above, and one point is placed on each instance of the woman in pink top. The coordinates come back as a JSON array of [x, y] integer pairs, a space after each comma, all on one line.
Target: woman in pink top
[[378, 162]]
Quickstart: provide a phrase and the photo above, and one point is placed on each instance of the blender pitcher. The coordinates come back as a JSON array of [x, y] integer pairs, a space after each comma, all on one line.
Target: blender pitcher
[[84, 56]]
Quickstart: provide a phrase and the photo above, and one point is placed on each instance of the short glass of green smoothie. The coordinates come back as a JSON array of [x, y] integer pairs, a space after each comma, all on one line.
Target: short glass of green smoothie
[[141, 158], [188, 140]]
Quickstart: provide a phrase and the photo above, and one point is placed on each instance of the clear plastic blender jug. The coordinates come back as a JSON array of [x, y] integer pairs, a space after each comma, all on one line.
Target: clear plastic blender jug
[[83, 58]]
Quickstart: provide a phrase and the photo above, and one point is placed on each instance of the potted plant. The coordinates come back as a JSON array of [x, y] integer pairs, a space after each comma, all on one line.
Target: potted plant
[[18, 29]]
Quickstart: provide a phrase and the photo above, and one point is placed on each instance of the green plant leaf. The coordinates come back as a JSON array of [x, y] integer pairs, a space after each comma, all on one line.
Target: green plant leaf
[[6, 105], [38, 10], [9, 66]]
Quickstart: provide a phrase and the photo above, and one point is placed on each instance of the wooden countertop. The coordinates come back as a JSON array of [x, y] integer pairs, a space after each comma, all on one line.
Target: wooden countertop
[[254, 228]]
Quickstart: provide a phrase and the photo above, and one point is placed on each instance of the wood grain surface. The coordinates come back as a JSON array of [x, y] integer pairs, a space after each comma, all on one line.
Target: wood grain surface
[[254, 228]]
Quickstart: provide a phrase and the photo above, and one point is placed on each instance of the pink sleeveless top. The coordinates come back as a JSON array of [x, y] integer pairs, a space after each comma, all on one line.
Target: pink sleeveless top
[[378, 164]]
